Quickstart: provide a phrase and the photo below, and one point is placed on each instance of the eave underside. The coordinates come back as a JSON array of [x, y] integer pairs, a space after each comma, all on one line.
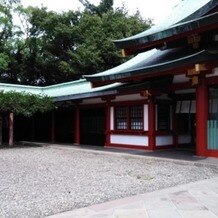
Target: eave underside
[[160, 64], [178, 23]]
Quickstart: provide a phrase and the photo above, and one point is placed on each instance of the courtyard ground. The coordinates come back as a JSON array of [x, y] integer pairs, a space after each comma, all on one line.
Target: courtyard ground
[[42, 181]]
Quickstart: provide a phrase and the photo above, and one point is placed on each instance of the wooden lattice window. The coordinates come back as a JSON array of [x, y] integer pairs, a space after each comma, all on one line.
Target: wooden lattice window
[[129, 118], [121, 118], [136, 118]]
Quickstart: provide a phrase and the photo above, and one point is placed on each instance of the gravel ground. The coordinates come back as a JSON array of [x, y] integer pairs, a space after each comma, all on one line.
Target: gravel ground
[[41, 181]]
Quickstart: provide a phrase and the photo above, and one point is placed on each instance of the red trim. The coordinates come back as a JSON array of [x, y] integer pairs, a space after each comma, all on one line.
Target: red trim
[[133, 147], [53, 127], [159, 73], [201, 117], [212, 80], [162, 147], [149, 45], [107, 123], [163, 133], [128, 119], [211, 153], [180, 86], [151, 124], [77, 125], [137, 147]]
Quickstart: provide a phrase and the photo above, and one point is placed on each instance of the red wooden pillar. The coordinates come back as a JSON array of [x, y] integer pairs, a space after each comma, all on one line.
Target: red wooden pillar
[[107, 127], [53, 127], [77, 125], [151, 124], [202, 104]]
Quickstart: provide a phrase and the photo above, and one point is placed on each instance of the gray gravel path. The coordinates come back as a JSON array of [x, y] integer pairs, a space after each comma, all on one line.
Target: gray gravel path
[[41, 181]]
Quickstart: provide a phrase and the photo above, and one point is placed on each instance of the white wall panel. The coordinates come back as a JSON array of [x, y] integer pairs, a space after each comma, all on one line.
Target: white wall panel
[[164, 140], [214, 73], [129, 140], [112, 118], [145, 117]]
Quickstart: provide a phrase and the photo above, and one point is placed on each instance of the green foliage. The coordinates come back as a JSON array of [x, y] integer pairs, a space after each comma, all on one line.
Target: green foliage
[[24, 103], [51, 47], [104, 7]]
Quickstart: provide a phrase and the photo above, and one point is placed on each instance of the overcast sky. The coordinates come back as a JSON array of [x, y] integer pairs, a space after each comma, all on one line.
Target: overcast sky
[[155, 9]]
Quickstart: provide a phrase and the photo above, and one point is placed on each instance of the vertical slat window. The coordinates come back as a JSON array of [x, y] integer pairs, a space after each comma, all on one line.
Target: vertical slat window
[[163, 117], [136, 117], [121, 118]]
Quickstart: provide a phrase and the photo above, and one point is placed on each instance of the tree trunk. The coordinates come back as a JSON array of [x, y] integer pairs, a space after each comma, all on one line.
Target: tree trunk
[[33, 129], [11, 129], [0, 129]]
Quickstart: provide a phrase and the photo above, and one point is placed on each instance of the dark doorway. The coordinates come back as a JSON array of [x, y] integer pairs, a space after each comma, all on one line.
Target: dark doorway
[[23, 128], [41, 127], [64, 125], [187, 129], [35, 128], [92, 126]]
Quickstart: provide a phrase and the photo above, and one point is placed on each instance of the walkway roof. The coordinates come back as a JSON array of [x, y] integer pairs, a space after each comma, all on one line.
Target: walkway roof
[[64, 91]]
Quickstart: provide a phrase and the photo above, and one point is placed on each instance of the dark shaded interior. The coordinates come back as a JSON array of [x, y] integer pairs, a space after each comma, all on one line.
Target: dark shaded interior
[[64, 125], [92, 129]]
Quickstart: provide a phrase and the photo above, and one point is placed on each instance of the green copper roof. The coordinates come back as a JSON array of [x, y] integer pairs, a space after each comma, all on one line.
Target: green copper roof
[[185, 11], [64, 91], [154, 61]]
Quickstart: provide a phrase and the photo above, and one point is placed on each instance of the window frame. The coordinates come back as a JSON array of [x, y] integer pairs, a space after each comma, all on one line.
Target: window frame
[[129, 118]]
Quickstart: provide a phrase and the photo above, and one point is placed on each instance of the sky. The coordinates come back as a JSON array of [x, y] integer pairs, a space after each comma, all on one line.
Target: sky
[[154, 9]]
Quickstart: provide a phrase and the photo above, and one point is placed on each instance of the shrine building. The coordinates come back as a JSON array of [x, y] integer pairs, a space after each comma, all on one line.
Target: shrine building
[[165, 96]]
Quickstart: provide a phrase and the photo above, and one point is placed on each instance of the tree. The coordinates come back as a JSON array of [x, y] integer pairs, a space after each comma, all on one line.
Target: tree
[[51, 47], [22, 104], [102, 8]]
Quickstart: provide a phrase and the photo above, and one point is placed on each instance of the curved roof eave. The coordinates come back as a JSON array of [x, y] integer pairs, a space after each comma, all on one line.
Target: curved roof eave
[[198, 57], [185, 12]]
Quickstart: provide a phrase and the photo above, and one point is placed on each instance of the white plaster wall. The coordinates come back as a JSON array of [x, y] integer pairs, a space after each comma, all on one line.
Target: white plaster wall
[[112, 118], [193, 107], [214, 73], [145, 117], [129, 140], [184, 139], [164, 140]]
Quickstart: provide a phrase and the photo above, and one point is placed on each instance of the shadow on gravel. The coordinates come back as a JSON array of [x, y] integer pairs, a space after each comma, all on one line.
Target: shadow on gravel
[[173, 153], [24, 145]]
